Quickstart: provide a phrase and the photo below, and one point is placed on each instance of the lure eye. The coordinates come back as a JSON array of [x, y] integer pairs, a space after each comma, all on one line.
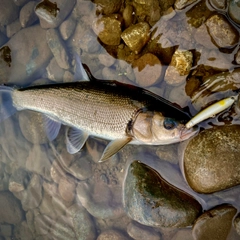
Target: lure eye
[[169, 124]]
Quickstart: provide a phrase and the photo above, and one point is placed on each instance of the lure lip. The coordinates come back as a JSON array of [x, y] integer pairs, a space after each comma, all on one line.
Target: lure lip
[[187, 133]]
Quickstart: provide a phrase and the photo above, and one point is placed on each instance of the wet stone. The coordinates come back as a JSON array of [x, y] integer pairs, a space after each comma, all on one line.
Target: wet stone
[[236, 223], [20, 2], [67, 28], [219, 4], [183, 234], [8, 12], [211, 159], [108, 29], [222, 32], [27, 14], [128, 15], [180, 4], [107, 7], [11, 210], [67, 189], [151, 201], [53, 13], [237, 56], [54, 71], [3, 38], [214, 224], [18, 180], [147, 70], [179, 67], [233, 10], [136, 36], [106, 59], [57, 47], [140, 232], [13, 28], [112, 234]]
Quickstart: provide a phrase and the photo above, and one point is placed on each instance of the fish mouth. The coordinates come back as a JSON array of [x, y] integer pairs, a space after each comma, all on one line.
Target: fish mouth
[[187, 133]]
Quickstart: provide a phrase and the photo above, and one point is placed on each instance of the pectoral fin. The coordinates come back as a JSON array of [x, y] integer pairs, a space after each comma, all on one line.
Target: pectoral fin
[[52, 127], [113, 147], [75, 139]]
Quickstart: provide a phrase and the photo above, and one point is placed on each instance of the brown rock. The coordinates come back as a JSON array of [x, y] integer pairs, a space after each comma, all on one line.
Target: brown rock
[[112, 235], [211, 159], [147, 70], [13, 28], [136, 36], [8, 12], [67, 189], [67, 28], [219, 4], [180, 4], [222, 32], [107, 7], [214, 224], [27, 14], [54, 71]]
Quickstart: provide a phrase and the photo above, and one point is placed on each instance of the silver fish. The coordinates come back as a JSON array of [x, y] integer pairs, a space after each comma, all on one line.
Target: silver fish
[[107, 109]]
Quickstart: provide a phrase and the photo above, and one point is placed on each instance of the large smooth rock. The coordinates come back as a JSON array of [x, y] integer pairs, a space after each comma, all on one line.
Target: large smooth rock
[[211, 159], [30, 55], [214, 224], [8, 12], [150, 200]]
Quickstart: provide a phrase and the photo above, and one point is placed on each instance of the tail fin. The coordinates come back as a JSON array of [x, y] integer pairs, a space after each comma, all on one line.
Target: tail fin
[[6, 106]]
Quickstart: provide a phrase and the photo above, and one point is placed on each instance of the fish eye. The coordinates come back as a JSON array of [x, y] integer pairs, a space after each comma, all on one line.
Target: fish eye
[[169, 124]]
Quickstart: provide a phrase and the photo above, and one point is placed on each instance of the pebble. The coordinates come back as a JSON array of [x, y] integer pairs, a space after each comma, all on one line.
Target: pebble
[[106, 59], [140, 232], [219, 4], [56, 171], [83, 224], [8, 12], [214, 224], [128, 15], [67, 28], [107, 7], [147, 70], [211, 159], [30, 55], [233, 10], [58, 48], [179, 67], [20, 2], [108, 29], [183, 234], [27, 14], [158, 204], [54, 71], [42, 223], [112, 235], [136, 36], [32, 127], [25, 232], [237, 56], [67, 189], [180, 4], [51, 15], [11, 209], [222, 32], [13, 28], [3, 38], [18, 180]]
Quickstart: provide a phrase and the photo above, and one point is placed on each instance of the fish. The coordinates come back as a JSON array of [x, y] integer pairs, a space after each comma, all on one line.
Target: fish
[[211, 111], [107, 109]]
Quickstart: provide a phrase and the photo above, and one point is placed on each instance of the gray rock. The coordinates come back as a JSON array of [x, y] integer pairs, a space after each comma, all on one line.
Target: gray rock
[[233, 11], [52, 14], [183, 234], [237, 223], [13, 28], [151, 201], [237, 56], [67, 28], [83, 224], [140, 232], [211, 159], [112, 234], [27, 14], [54, 71], [11, 211], [30, 55], [57, 47], [8, 12], [67, 189], [214, 224], [18, 181], [219, 4], [6, 230], [222, 32], [20, 2], [180, 4], [25, 232], [3, 38], [42, 223]]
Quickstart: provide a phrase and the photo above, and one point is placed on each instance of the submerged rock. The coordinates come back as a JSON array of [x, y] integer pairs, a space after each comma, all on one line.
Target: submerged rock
[[233, 11], [112, 234], [214, 224], [150, 200], [8, 12], [211, 159], [27, 14], [180, 4]]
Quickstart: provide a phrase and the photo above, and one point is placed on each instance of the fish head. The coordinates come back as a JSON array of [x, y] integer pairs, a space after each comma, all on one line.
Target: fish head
[[151, 127]]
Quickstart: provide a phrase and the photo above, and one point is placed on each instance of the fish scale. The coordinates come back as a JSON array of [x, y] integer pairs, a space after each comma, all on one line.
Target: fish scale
[[99, 110]]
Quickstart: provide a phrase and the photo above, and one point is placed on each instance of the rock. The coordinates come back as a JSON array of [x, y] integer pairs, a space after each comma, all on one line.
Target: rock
[[214, 224], [233, 11], [151, 201], [183, 234], [179, 67], [83, 224], [237, 223], [18, 180], [67, 189], [25, 232], [222, 32], [8, 12], [108, 29], [13, 28], [67, 28], [57, 171], [140, 232], [211, 159], [168, 153], [52, 14], [219, 4], [29, 54], [3, 38], [107, 7], [32, 127], [27, 14], [136, 36], [106, 59], [54, 71], [237, 56], [42, 223], [11, 210], [180, 4], [20, 2], [6, 230], [58, 48], [147, 70], [128, 15], [112, 235]]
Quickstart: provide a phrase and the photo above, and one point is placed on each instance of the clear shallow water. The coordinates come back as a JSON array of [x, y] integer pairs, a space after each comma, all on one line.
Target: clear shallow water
[[49, 187]]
